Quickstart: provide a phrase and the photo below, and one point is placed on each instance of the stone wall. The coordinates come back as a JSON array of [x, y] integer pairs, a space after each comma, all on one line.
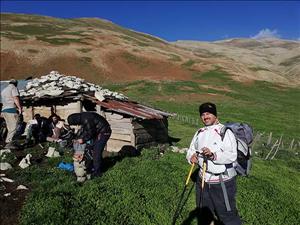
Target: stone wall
[[62, 111]]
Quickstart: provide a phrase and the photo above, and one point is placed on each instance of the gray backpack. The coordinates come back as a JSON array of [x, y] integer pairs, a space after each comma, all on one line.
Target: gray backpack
[[244, 136]]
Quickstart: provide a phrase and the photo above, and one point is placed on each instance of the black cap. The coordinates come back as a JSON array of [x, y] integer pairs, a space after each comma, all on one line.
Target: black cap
[[208, 107], [14, 82]]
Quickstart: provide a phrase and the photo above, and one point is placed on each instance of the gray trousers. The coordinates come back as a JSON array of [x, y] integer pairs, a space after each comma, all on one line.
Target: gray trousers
[[214, 202]]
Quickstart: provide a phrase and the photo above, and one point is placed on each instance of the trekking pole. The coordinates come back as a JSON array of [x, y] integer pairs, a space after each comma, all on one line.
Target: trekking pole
[[204, 167], [177, 212]]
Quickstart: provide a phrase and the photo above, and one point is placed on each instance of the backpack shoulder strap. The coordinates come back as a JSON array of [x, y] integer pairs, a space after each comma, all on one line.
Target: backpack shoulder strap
[[223, 131]]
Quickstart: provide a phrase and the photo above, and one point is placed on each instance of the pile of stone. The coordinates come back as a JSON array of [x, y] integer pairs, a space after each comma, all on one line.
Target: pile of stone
[[179, 150], [55, 84]]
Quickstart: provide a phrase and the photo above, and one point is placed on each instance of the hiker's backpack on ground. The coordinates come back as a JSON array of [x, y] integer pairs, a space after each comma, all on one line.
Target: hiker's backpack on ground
[[244, 135]]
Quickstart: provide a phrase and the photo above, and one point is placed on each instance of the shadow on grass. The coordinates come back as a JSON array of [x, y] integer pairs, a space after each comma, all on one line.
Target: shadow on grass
[[126, 151], [203, 216], [173, 139]]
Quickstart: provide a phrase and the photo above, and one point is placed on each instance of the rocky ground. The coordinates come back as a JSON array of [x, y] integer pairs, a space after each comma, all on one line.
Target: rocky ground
[[12, 194]]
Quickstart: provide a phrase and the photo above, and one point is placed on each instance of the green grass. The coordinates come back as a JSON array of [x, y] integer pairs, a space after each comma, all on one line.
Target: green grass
[[86, 59], [175, 58], [14, 36], [267, 107], [188, 63], [133, 59], [84, 50], [258, 68], [60, 41], [133, 40], [44, 29], [146, 190], [33, 51]]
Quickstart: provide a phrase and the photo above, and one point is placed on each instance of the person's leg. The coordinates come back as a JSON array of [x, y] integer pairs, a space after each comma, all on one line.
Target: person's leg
[[35, 130], [226, 216], [11, 120], [206, 211], [56, 133], [97, 152]]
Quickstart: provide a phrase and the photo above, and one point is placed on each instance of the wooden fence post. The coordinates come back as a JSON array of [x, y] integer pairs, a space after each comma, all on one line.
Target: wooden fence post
[[292, 144], [269, 139], [277, 147], [273, 147]]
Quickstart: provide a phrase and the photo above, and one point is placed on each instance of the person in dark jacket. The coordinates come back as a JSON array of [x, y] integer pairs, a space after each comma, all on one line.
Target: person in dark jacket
[[38, 130], [95, 130]]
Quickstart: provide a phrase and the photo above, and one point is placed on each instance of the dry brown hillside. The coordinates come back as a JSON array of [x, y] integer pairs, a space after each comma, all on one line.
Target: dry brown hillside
[[101, 51]]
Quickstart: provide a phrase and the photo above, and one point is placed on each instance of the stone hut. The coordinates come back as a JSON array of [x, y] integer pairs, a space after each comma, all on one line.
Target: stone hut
[[133, 125]]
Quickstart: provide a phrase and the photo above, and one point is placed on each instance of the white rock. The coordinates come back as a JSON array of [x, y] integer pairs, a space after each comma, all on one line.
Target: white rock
[[5, 166], [7, 179], [56, 92], [182, 151], [49, 85], [7, 194], [174, 149], [22, 187], [76, 86], [92, 88], [52, 153], [4, 151], [25, 162], [56, 154], [2, 175], [99, 96]]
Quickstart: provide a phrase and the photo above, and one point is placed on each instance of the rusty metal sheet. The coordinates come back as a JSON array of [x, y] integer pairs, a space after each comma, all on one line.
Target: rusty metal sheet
[[131, 108]]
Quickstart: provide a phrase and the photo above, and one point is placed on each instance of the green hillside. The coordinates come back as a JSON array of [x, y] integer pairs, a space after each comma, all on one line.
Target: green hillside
[[267, 107]]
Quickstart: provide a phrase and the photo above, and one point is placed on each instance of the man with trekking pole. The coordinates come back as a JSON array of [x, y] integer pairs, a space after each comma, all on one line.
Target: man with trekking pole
[[216, 183]]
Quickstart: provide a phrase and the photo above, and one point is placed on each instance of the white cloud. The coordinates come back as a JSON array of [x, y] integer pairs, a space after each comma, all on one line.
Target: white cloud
[[266, 33]]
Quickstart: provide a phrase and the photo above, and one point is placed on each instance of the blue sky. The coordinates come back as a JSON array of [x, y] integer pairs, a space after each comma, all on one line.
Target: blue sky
[[180, 20]]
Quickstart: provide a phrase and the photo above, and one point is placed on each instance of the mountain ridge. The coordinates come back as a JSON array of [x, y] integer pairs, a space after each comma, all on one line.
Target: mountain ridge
[[101, 51]]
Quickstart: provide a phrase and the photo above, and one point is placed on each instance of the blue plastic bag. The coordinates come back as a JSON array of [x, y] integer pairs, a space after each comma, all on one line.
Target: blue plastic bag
[[66, 166]]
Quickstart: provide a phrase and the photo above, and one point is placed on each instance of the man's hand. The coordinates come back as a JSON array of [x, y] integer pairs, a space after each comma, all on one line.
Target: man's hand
[[79, 141], [20, 110], [206, 152], [194, 158]]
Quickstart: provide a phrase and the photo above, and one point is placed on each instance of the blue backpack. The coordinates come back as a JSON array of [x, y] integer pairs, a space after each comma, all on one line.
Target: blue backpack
[[244, 136]]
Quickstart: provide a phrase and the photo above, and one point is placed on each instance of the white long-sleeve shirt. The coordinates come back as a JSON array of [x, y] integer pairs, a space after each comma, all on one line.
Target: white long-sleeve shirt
[[224, 152]]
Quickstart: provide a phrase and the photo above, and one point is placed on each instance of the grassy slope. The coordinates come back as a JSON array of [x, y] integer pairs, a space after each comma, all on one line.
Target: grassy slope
[[265, 106], [146, 189]]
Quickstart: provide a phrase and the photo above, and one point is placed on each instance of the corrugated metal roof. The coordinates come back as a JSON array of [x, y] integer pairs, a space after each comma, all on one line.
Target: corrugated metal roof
[[131, 108]]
